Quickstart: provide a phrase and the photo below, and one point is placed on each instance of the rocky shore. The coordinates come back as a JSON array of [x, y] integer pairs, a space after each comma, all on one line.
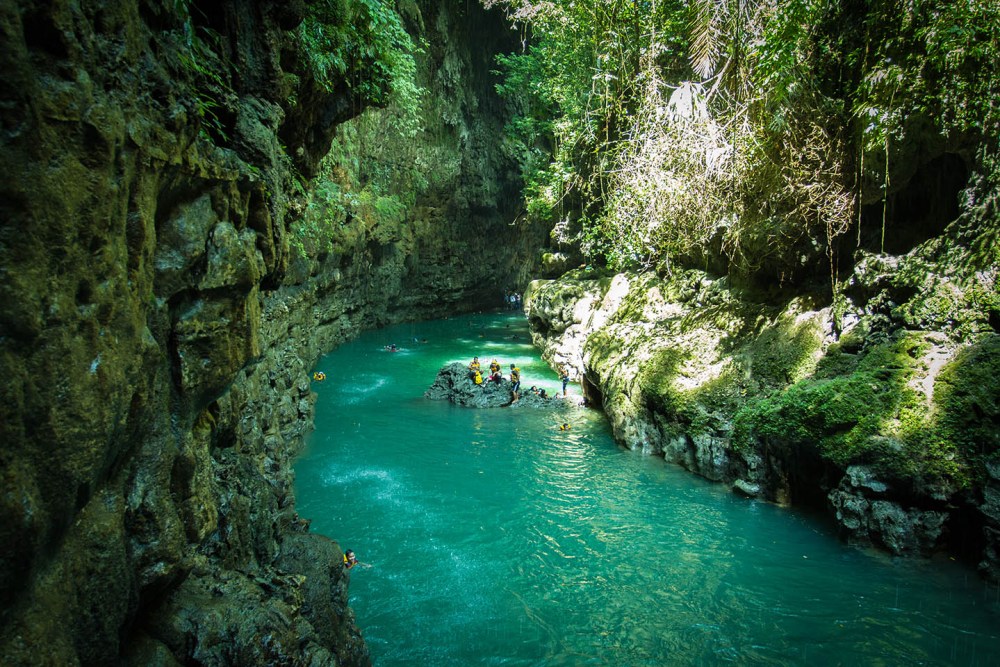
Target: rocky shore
[[891, 429]]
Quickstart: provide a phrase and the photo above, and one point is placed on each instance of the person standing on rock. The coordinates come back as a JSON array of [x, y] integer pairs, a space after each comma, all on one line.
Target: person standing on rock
[[564, 376], [515, 381]]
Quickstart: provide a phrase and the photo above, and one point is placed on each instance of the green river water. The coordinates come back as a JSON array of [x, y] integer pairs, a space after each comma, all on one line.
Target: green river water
[[494, 538]]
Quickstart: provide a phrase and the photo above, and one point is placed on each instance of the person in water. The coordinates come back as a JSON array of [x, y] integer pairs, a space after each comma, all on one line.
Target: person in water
[[350, 560], [319, 376], [515, 381], [564, 426]]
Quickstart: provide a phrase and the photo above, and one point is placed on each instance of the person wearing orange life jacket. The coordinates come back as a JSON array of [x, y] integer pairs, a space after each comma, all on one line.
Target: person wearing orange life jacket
[[515, 381]]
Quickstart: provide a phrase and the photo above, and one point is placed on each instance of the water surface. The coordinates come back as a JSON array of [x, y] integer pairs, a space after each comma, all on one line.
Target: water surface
[[497, 539]]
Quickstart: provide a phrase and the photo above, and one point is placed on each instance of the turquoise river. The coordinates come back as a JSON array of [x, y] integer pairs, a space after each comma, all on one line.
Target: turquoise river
[[494, 538]]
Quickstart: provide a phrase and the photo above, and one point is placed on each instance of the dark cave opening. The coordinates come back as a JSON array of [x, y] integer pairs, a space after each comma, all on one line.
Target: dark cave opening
[[919, 211]]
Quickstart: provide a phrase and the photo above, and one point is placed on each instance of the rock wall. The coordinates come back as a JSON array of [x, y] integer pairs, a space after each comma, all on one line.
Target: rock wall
[[887, 427], [157, 328]]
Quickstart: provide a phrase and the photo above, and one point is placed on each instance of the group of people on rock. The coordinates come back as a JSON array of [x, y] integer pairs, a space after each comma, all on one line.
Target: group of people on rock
[[477, 376], [480, 378], [512, 300]]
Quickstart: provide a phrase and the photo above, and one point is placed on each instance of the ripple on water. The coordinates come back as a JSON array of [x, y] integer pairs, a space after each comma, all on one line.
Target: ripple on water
[[497, 539], [360, 388]]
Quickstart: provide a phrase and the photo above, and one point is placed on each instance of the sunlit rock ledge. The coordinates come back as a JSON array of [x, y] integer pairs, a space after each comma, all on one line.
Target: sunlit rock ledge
[[764, 395]]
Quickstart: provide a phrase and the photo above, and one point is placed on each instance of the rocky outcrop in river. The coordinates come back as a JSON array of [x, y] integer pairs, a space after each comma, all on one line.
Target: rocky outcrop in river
[[455, 383]]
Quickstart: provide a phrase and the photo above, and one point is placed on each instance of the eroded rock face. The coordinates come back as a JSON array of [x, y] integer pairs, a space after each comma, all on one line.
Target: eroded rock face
[[149, 416], [865, 514], [157, 328], [685, 366]]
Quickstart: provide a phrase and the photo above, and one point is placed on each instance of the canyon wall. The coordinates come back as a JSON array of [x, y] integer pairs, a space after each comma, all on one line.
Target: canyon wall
[[159, 318], [889, 424]]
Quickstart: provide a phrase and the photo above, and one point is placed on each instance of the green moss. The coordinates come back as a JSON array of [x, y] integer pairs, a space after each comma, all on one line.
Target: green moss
[[783, 353], [871, 416], [967, 394], [656, 379]]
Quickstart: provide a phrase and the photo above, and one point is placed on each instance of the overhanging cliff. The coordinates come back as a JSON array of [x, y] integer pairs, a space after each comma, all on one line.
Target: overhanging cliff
[[159, 320]]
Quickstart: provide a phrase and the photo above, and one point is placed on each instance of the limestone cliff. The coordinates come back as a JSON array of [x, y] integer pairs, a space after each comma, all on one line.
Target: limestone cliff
[[889, 424], [158, 322]]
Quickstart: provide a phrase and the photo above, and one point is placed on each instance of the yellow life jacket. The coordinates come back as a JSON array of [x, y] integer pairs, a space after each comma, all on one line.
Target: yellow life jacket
[[479, 377], [515, 375]]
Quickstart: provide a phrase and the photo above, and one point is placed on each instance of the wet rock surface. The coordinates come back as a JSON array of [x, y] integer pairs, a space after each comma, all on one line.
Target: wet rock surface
[[455, 383]]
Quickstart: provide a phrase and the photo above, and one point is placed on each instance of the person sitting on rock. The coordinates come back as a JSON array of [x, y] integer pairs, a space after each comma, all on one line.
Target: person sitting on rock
[[515, 381], [474, 367], [494, 367], [497, 376], [542, 394]]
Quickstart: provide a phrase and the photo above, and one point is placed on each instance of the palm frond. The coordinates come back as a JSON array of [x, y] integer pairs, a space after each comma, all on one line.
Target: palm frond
[[705, 37]]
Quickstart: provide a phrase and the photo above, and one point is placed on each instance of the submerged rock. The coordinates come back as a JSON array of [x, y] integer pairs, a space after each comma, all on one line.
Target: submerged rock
[[454, 384]]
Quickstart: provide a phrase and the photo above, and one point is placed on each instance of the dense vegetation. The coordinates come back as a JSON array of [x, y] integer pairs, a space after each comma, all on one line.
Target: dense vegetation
[[374, 53], [799, 145], [671, 131]]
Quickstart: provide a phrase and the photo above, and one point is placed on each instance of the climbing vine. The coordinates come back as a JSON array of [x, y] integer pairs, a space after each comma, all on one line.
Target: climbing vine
[[657, 132]]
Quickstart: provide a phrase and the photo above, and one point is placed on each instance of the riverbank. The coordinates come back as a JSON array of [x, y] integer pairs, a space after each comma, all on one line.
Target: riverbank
[[889, 428]]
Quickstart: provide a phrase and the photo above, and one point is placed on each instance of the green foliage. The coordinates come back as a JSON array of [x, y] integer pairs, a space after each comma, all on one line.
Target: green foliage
[[794, 113], [575, 86], [208, 72], [360, 44], [661, 168], [373, 171]]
